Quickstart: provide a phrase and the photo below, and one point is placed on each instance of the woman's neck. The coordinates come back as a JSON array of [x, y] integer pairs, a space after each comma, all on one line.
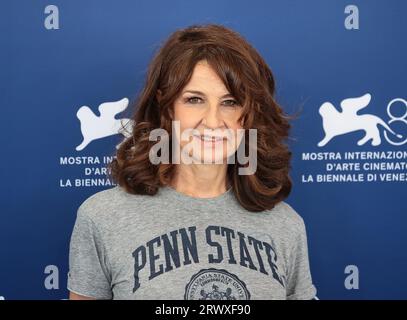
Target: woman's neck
[[201, 180]]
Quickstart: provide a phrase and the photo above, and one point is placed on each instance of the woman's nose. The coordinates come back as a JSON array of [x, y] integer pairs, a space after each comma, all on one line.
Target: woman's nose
[[212, 117]]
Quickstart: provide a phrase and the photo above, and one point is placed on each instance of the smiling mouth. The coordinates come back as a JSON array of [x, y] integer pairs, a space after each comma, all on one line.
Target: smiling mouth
[[207, 138]]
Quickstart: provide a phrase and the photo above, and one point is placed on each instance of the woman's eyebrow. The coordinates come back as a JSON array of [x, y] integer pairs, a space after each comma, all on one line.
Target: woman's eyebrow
[[227, 95]]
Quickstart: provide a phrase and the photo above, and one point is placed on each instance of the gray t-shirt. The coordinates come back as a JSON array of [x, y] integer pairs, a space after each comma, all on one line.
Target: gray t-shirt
[[174, 246]]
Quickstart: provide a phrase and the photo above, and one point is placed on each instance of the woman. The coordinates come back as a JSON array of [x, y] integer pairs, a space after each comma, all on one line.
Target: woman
[[209, 223]]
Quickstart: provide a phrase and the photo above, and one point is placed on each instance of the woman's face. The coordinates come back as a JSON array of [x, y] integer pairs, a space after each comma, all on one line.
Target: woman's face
[[206, 105]]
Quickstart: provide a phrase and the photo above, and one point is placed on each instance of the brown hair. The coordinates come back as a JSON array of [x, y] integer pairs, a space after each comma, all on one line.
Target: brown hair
[[247, 77]]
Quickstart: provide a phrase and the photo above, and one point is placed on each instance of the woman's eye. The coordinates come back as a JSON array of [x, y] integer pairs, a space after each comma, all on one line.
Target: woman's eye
[[193, 100], [230, 103]]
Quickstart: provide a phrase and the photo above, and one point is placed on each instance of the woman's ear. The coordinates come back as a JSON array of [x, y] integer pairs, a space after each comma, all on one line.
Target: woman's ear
[[242, 121], [159, 95]]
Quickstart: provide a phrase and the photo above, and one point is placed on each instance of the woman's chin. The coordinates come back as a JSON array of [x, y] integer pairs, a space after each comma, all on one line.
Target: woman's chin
[[221, 159]]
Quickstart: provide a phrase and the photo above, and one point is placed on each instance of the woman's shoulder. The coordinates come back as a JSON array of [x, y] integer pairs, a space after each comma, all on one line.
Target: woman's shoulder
[[287, 216], [102, 198], [106, 205]]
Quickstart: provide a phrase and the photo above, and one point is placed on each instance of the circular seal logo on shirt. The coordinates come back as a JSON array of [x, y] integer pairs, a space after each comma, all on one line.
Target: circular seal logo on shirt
[[215, 284]]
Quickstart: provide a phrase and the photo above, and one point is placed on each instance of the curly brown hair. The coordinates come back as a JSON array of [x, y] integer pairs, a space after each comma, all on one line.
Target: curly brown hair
[[247, 77]]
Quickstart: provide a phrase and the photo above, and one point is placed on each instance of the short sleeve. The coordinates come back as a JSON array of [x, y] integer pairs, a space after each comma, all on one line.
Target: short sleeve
[[299, 281], [88, 272]]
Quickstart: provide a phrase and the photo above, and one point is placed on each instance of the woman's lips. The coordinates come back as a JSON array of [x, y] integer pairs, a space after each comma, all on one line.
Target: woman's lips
[[210, 140]]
